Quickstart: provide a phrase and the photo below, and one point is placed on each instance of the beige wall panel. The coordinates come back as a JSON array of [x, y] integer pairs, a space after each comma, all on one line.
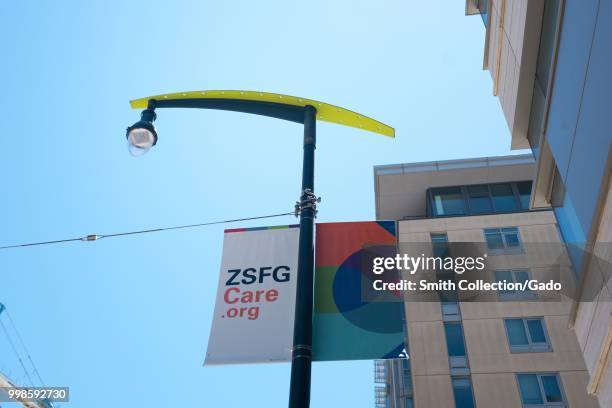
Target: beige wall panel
[[433, 391], [516, 26], [574, 385], [597, 331], [493, 43], [423, 312], [584, 318], [489, 351], [496, 390], [492, 310], [545, 309], [488, 310], [427, 348], [605, 389], [562, 338], [540, 223]]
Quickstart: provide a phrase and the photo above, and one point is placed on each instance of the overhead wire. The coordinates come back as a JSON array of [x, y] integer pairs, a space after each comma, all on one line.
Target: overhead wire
[[96, 237]]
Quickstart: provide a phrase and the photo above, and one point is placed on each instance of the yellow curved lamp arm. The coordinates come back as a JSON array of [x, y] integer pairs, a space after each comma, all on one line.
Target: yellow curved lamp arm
[[325, 111]]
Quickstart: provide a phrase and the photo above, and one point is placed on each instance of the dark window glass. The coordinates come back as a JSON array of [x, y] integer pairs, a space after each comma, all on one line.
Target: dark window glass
[[448, 295], [448, 201], [547, 41], [454, 339], [551, 388], [501, 239], [501, 276], [511, 237], [494, 239], [521, 276], [483, 7], [536, 331], [462, 389], [503, 197], [527, 335], [518, 276], [439, 245], [536, 120], [440, 238], [516, 332], [524, 190], [480, 202], [530, 389], [557, 195]]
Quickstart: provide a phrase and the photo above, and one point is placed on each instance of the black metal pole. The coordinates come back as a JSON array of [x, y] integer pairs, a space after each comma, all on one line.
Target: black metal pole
[[299, 392]]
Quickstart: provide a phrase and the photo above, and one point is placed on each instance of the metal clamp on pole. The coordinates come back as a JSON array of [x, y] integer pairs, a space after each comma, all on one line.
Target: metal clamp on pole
[[307, 200], [302, 351]]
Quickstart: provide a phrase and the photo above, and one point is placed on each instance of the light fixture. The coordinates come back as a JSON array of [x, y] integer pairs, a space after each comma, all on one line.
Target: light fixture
[[141, 136]]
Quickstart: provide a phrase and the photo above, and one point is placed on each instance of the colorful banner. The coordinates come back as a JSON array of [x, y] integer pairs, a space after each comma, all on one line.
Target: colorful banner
[[351, 322], [253, 320], [254, 309]]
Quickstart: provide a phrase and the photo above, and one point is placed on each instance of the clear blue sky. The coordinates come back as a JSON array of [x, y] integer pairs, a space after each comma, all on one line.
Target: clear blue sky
[[124, 322]]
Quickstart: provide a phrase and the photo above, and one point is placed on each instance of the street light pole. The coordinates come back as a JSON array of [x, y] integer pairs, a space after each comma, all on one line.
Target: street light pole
[[142, 136], [299, 391]]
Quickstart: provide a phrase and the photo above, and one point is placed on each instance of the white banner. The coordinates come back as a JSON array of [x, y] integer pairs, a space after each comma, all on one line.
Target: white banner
[[253, 320]]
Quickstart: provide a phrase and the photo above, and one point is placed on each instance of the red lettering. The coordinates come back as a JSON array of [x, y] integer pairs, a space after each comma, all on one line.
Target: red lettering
[[271, 295], [226, 296], [249, 296]]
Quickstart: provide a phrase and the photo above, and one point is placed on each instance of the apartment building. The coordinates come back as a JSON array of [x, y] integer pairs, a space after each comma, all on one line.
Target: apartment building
[[509, 350], [393, 384], [550, 66]]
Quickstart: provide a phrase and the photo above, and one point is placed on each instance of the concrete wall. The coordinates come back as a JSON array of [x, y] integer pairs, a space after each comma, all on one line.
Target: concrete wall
[[512, 40]]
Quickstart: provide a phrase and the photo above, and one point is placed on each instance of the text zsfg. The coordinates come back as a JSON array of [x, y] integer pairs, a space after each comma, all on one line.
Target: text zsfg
[[248, 276]]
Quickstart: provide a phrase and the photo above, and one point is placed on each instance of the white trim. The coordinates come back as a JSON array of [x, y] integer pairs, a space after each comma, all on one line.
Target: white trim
[[427, 167]]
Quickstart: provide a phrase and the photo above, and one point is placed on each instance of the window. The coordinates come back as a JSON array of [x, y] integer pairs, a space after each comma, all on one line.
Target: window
[[541, 390], [557, 194], [514, 276], [547, 44], [462, 390], [479, 199], [503, 197], [407, 388], [503, 240], [439, 245], [380, 371], [450, 311], [527, 335], [454, 339], [524, 191], [455, 345], [380, 397], [483, 7], [448, 201], [544, 65], [405, 366]]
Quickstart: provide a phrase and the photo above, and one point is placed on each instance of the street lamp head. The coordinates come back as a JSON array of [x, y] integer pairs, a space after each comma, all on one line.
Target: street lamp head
[[141, 136]]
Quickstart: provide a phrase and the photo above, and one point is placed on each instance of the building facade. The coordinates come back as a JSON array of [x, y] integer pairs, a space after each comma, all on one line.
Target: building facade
[[393, 384], [550, 62], [512, 350]]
